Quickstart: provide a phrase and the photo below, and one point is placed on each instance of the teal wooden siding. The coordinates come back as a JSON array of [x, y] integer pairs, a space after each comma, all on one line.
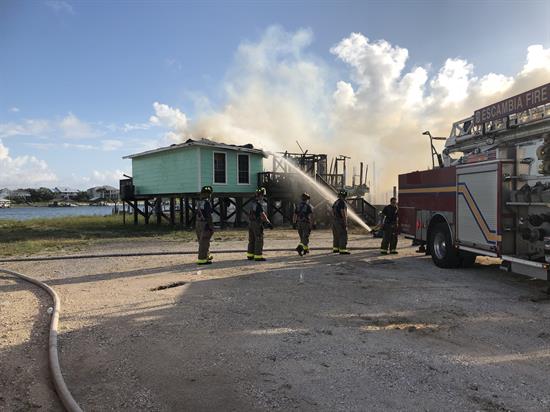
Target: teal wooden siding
[[176, 171], [207, 167], [173, 171]]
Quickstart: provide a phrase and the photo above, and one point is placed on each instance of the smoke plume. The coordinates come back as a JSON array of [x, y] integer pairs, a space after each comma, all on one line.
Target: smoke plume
[[278, 92]]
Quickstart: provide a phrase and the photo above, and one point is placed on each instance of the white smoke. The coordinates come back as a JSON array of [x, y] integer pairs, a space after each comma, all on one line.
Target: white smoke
[[278, 92]]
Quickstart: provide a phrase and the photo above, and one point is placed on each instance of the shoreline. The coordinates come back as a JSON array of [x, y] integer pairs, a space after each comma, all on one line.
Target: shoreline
[[19, 206]]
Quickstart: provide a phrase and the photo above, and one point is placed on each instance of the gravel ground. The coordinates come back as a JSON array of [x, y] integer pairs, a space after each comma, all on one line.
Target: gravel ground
[[323, 332]]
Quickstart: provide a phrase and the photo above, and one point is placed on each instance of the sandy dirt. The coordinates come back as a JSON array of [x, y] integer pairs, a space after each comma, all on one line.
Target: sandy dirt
[[323, 332]]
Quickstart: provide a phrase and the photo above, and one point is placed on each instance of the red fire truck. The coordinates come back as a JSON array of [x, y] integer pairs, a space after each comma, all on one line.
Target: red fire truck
[[490, 193]]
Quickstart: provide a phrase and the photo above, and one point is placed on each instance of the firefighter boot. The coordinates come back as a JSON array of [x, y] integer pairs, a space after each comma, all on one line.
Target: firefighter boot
[[300, 249]]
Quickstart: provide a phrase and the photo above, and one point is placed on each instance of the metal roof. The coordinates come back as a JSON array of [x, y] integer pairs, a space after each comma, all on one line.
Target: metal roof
[[248, 148]]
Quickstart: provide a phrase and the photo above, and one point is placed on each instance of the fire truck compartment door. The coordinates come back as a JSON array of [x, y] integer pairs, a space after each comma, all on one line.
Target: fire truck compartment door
[[422, 220], [477, 205]]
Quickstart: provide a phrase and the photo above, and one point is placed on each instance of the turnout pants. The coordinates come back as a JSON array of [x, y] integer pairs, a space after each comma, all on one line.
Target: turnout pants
[[390, 237], [339, 235], [255, 238], [304, 230], [204, 233]]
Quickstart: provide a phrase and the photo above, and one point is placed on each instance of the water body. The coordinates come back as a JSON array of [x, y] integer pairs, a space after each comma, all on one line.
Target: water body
[[26, 213]]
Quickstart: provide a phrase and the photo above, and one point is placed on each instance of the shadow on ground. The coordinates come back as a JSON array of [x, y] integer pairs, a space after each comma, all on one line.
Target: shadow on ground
[[321, 333]]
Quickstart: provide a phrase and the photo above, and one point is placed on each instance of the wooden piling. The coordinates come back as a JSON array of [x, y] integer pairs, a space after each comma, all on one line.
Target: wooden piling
[[135, 213], [158, 210], [181, 210], [172, 211]]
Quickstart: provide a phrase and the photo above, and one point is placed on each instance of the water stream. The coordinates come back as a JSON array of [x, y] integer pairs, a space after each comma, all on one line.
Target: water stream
[[323, 191]]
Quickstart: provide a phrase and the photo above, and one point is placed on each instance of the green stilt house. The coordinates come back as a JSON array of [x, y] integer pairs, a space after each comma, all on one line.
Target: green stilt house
[[176, 173]]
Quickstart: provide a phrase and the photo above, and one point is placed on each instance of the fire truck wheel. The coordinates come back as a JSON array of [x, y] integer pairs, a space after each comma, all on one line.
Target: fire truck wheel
[[467, 259], [443, 253]]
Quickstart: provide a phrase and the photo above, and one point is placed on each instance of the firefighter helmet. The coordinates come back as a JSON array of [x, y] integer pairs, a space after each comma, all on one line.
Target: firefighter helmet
[[306, 196], [260, 191], [342, 193], [206, 190]]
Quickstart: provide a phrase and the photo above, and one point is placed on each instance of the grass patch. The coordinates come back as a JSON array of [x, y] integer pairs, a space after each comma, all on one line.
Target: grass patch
[[75, 233]]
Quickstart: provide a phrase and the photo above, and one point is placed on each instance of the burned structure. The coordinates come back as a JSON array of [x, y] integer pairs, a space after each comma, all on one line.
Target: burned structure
[[284, 185]]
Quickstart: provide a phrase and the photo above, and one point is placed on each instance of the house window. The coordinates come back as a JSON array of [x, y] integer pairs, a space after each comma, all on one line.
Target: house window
[[243, 169], [220, 172]]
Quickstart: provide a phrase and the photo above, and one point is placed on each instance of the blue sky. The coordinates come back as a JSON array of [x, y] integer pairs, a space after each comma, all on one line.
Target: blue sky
[[78, 80]]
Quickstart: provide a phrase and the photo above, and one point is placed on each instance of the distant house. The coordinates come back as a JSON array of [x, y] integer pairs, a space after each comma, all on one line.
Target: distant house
[[20, 194], [105, 192], [184, 168], [66, 193], [4, 198]]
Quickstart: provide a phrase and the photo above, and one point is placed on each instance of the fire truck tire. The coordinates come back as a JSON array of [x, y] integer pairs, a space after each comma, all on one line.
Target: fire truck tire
[[444, 254], [467, 259]]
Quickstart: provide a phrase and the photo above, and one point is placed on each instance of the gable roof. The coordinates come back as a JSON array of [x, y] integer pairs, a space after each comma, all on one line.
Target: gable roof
[[248, 148]]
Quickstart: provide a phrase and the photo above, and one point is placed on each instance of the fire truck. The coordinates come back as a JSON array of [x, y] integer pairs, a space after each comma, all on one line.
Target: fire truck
[[489, 193]]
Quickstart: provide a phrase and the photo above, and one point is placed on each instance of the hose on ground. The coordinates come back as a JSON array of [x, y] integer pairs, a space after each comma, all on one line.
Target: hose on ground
[[60, 387], [181, 252]]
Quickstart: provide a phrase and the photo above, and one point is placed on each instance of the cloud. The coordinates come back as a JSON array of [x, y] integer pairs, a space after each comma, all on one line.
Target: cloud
[[106, 177], [277, 92], [96, 178], [173, 64], [375, 65], [106, 145], [74, 128], [344, 95], [23, 171], [109, 145], [171, 118], [77, 146], [59, 6], [29, 127], [4, 152], [14, 109], [537, 58], [492, 84], [130, 127], [70, 127], [452, 83]]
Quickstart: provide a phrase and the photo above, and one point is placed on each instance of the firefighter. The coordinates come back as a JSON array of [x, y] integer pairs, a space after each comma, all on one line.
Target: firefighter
[[340, 224], [303, 221], [389, 226], [257, 219], [204, 226]]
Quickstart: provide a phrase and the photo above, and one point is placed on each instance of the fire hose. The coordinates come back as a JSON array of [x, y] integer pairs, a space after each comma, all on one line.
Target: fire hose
[[181, 252], [60, 387]]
